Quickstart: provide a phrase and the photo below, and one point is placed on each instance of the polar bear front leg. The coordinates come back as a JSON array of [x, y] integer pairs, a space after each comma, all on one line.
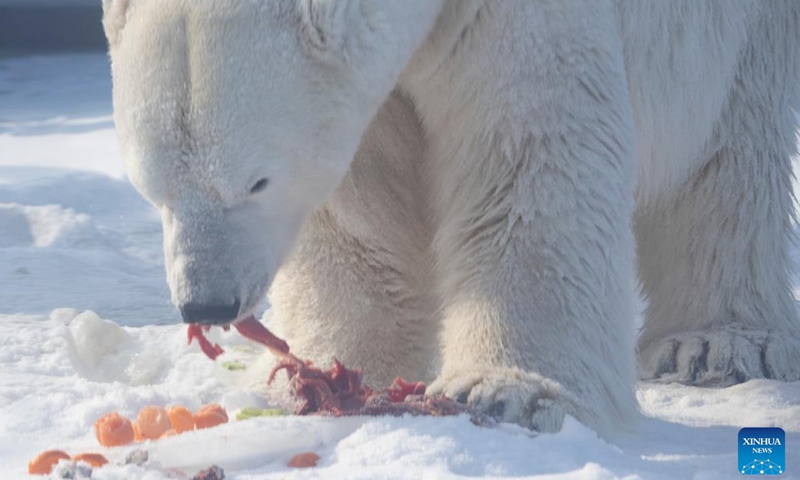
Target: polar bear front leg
[[531, 159], [537, 285]]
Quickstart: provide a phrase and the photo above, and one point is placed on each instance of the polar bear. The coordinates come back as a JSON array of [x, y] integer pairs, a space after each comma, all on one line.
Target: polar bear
[[467, 191]]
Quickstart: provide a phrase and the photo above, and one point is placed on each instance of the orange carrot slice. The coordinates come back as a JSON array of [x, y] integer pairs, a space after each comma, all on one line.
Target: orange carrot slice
[[112, 430], [94, 459], [43, 463], [209, 416], [152, 422], [180, 418]]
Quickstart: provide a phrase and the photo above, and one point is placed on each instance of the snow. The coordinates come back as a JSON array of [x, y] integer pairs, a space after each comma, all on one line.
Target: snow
[[88, 328], [65, 127]]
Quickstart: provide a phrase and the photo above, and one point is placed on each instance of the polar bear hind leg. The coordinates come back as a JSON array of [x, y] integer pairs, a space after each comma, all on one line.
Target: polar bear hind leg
[[713, 256]]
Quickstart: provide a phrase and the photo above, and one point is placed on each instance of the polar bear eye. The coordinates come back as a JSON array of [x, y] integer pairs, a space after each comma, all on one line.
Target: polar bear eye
[[259, 186]]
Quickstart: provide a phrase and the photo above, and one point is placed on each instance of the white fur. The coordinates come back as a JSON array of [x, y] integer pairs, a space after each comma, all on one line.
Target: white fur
[[480, 234]]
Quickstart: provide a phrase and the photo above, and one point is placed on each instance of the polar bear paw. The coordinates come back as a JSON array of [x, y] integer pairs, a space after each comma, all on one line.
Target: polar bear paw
[[508, 395], [721, 357]]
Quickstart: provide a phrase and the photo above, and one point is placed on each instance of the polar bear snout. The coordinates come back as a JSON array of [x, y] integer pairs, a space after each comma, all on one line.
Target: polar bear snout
[[217, 266], [216, 288], [206, 294], [209, 314]]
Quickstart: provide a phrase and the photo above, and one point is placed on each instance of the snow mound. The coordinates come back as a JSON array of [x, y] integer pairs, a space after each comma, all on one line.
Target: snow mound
[[94, 338], [81, 240], [50, 226]]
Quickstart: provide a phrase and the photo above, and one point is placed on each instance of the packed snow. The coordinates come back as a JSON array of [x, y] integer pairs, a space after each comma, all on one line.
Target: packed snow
[[88, 328]]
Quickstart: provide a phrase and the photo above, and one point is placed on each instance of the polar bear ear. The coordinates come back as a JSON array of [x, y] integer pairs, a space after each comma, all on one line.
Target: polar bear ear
[[115, 14], [324, 26]]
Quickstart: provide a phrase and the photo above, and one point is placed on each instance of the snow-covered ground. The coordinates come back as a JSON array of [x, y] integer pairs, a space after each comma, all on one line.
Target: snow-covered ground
[[87, 328]]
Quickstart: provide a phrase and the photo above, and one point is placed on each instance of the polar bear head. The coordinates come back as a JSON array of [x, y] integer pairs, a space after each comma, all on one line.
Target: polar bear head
[[236, 120]]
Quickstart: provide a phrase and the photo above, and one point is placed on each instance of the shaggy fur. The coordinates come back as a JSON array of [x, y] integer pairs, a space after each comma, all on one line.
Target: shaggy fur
[[454, 186]]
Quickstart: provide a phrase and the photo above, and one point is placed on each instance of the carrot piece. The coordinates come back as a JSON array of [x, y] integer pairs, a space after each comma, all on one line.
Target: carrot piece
[[152, 422], [112, 430], [43, 463], [303, 460], [94, 459], [180, 418], [209, 416]]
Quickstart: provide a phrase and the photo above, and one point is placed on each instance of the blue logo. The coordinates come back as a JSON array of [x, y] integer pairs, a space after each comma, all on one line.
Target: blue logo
[[762, 451]]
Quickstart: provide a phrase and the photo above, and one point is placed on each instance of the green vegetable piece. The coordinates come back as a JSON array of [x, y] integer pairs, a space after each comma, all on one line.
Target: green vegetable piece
[[233, 366], [253, 412]]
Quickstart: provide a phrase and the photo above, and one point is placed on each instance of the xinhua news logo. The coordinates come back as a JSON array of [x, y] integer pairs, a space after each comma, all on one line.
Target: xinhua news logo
[[762, 451]]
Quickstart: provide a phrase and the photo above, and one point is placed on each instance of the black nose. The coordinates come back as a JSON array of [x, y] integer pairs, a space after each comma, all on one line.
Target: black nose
[[209, 314]]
